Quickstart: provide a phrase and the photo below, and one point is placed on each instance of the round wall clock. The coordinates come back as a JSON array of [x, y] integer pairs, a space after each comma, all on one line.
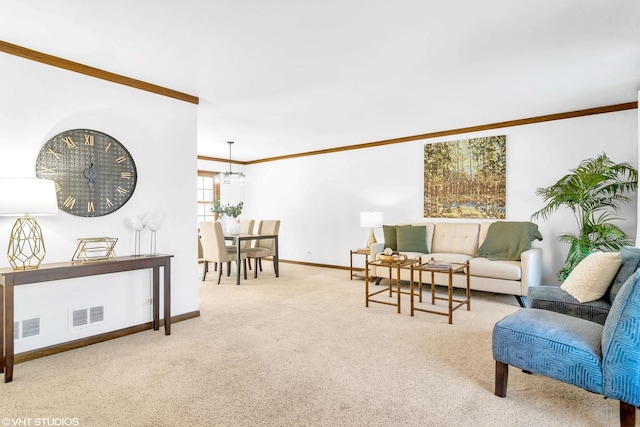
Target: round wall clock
[[94, 174]]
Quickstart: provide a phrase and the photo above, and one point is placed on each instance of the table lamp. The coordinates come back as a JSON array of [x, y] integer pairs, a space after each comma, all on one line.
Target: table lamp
[[372, 220], [24, 197]]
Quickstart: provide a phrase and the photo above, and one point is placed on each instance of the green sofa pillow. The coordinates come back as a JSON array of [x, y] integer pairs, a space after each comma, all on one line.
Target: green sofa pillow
[[412, 238], [390, 240]]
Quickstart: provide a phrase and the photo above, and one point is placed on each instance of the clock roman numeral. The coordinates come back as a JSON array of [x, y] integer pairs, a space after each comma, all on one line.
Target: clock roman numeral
[[50, 151], [107, 147], [122, 191], [90, 207], [109, 202], [69, 202], [121, 159], [69, 141], [47, 171], [125, 175], [57, 187], [88, 140]]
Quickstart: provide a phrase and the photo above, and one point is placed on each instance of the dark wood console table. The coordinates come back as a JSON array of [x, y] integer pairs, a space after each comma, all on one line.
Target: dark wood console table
[[69, 270]]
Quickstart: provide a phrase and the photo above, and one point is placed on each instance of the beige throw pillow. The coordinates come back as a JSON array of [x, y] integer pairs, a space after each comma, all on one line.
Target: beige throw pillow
[[592, 276]]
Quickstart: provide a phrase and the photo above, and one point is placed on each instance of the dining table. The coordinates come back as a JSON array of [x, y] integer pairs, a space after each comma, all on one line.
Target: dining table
[[244, 237]]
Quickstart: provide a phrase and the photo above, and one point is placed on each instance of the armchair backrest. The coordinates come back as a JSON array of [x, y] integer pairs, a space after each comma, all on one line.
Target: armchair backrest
[[621, 345]]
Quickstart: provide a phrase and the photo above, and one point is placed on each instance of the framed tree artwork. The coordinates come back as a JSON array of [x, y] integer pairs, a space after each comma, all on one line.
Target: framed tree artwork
[[466, 178]]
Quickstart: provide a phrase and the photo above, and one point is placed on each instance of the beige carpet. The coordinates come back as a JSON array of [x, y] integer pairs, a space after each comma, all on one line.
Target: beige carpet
[[299, 350]]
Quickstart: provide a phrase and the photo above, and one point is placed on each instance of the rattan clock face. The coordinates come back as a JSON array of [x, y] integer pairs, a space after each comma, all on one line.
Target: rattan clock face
[[94, 174]]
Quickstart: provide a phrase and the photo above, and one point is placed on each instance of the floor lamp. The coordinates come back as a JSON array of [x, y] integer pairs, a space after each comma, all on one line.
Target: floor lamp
[[372, 220], [25, 197]]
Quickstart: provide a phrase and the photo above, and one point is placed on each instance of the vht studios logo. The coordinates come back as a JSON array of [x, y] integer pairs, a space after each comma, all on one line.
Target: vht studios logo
[[40, 421]]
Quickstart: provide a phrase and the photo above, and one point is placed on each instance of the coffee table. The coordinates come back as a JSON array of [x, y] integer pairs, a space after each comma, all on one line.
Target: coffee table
[[392, 265], [435, 267]]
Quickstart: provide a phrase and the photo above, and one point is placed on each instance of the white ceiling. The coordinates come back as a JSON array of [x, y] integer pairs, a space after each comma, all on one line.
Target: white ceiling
[[281, 77]]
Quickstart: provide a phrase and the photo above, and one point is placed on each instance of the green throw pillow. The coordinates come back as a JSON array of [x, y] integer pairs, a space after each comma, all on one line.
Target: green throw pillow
[[412, 238], [390, 240]]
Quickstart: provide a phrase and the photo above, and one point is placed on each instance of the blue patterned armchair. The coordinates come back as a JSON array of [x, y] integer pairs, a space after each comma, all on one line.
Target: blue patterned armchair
[[603, 359]]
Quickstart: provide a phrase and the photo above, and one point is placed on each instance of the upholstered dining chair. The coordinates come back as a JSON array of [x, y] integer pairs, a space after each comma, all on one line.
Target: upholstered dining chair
[[603, 359], [214, 249], [246, 227], [264, 247]]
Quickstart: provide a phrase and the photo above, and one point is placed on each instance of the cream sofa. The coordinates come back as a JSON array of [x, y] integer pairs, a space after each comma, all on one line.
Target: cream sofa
[[459, 242]]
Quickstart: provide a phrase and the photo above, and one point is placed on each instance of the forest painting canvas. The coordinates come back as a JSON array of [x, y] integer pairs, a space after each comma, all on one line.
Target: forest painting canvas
[[466, 178]]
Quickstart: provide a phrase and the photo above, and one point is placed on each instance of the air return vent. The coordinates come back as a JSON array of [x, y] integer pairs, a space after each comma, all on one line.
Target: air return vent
[[96, 314], [80, 317], [26, 328], [87, 316], [30, 327]]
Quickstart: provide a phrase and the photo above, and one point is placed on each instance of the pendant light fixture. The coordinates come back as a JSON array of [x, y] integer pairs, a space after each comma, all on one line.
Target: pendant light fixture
[[226, 177]]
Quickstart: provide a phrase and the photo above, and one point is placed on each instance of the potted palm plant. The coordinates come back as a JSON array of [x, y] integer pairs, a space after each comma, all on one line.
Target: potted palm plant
[[593, 192]]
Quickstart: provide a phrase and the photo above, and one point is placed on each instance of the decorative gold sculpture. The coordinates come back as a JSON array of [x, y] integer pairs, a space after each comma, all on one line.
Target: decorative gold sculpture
[[95, 249]]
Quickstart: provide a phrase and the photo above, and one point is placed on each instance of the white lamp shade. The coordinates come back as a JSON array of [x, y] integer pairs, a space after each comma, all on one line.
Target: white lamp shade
[[27, 196], [370, 219]]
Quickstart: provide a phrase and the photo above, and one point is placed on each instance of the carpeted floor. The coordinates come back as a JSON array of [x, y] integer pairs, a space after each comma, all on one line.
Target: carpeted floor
[[299, 350]]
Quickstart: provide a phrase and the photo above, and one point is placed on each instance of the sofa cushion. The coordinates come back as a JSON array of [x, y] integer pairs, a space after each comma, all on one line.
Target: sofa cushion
[[507, 270], [590, 279], [484, 229], [412, 238], [630, 263], [390, 240], [455, 238]]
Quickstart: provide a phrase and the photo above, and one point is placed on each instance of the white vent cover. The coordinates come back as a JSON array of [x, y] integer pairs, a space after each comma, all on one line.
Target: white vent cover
[[30, 327], [84, 317], [79, 318], [96, 314], [26, 328]]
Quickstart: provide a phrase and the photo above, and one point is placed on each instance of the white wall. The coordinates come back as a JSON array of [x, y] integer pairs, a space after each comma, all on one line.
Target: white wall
[[319, 198], [39, 101]]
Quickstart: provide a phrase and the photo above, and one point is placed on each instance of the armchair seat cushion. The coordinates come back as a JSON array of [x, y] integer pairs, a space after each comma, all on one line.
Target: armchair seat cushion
[[562, 347]]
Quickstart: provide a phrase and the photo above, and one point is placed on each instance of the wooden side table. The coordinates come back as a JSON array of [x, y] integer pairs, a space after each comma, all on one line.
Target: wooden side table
[[434, 267], [358, 272], [393, 265]]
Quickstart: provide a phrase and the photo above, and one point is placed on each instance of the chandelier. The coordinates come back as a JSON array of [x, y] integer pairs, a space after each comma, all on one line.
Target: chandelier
[[226, 177]]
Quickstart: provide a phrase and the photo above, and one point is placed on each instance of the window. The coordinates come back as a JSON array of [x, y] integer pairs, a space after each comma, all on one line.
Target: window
[[208, 192]]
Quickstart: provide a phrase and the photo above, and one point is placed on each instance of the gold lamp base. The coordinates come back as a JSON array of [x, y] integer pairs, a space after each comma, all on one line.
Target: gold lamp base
[[26, 245], [372, 239]]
